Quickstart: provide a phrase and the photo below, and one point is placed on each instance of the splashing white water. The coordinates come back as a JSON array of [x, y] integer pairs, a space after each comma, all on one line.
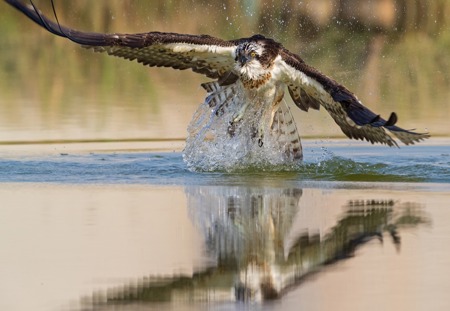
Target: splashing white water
[[211, 147]]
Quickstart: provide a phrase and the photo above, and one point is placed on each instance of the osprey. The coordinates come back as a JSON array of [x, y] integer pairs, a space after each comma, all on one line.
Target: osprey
[[244, 108]]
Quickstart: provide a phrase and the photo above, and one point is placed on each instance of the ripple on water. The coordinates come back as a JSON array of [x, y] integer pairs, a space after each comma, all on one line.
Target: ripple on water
[[367, 163]]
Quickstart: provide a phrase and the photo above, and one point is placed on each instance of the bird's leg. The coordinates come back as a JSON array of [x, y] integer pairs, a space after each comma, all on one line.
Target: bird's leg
[[237, 117], [260, 132], [231, 129], [274, 109], [275, 106], [240, 114], [257, 134], [272, 116]]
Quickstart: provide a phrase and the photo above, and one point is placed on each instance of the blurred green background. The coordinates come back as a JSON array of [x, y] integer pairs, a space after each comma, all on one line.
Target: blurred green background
[[394, 54]]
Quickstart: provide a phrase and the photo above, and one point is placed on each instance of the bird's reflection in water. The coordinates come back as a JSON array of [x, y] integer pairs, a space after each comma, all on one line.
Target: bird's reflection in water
[[246, 233], [245, 230]]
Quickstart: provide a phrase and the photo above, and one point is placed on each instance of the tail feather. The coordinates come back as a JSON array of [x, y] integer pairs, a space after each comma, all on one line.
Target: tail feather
[[284, 129]]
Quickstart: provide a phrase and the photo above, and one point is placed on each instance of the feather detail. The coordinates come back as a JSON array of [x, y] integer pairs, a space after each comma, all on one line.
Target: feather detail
[[311, 89], [256, 83], [284, 130], [241, 84]]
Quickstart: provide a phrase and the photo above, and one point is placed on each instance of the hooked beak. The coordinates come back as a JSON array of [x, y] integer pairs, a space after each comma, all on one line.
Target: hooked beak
[[243, 59]]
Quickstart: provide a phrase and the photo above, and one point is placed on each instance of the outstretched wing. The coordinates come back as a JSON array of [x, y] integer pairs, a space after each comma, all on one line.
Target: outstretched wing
[[311, 89], [203, 54]]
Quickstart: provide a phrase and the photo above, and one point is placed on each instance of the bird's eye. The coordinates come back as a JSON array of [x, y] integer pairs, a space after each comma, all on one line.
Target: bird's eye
[[253, 54]]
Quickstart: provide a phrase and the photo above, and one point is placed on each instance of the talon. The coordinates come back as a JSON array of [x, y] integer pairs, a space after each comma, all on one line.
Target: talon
[[260, 136], [220, 110], [260, 142], [231, 129]]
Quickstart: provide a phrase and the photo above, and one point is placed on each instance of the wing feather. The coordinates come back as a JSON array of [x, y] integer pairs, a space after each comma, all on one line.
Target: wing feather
[[311, 89], [215, 58], [203, 54]]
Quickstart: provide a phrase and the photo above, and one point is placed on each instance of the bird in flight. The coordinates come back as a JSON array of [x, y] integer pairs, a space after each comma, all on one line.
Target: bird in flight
[[244, 102]]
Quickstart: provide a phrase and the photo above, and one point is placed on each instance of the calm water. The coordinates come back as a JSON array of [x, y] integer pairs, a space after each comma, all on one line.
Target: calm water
[[99, 212]]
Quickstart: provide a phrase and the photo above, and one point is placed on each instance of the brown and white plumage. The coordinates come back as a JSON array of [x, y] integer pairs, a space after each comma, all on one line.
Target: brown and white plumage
[[250, 72]]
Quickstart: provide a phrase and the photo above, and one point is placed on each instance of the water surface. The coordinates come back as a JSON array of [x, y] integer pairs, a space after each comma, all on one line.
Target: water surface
[[99, 212], [87, 228], [428, 162]]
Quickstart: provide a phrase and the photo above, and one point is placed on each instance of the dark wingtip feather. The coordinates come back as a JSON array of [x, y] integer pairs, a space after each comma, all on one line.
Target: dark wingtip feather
[[83, 38], [392, 120]]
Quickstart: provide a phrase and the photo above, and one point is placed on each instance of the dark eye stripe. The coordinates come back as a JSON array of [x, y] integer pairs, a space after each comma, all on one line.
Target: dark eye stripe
[[248, 49]]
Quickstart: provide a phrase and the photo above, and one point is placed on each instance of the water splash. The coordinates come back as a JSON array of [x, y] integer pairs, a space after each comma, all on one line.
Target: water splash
[[214, 145], [365, 163]]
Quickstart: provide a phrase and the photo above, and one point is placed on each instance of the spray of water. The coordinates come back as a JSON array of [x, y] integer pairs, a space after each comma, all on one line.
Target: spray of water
[[212, 146]]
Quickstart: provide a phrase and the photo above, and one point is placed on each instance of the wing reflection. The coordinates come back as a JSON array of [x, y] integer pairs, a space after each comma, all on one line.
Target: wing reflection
[[250, 235]]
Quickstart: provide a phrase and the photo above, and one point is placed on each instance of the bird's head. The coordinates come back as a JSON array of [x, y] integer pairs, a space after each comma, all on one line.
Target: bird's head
[[255, 56], [248, 53]]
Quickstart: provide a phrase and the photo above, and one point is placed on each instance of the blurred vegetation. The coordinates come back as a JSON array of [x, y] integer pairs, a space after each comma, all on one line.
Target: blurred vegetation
[[392, 53]]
